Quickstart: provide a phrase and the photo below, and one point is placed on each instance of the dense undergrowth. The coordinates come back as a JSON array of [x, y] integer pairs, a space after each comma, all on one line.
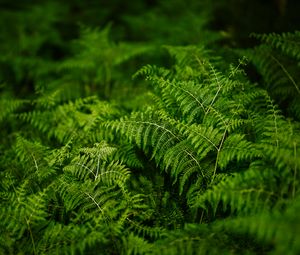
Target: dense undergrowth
[[156, 133]]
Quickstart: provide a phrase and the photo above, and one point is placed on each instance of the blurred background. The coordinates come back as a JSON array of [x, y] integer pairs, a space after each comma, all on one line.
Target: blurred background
[[42, 40], [150, 20]]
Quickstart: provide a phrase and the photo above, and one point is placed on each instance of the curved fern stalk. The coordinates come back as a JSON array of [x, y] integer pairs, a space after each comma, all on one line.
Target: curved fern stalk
[[286, 72], [272, 68], [215, 83], [101, 207], [275, 147]]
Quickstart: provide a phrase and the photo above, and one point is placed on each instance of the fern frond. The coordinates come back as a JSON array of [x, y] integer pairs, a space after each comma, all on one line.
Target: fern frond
[[288, 43], [70, 239], [276, 59], [199, 239], [238, 148], [8, 106], [24, 214], [277, 229], [93, 165], [147, 129], [243, 192], [166, 142], [35, 159], [133, 244], [143, 230], [74, 119]]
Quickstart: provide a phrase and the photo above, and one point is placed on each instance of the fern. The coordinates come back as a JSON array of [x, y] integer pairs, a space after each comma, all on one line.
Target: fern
[[195, 155], [70, 118], [277, 60], [10, 106], [288, 43], [95, 63], [275, 228]]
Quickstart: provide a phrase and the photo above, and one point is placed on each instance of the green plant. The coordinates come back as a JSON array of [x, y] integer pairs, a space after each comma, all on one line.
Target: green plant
[[194, 155], [277, 60], [228, 149]]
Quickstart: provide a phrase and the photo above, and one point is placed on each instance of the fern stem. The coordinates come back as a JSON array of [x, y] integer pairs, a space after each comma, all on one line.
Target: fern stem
[[218, 154], [154, 124], [82, 165], [95, 202], [35, 163], [196, 161], [195, 98], [206, 138], [295, 171], [201, 218], [275, 119], [31, 236], [106, 218], [218, 91], [98, 166], [287, 73]]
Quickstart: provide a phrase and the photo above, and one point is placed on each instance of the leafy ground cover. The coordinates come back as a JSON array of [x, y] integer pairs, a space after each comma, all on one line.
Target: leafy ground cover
[[149, 128]]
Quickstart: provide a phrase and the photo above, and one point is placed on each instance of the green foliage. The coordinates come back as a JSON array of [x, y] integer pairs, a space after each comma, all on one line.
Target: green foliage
[[277, 60], [194, 155], [93, 67]]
